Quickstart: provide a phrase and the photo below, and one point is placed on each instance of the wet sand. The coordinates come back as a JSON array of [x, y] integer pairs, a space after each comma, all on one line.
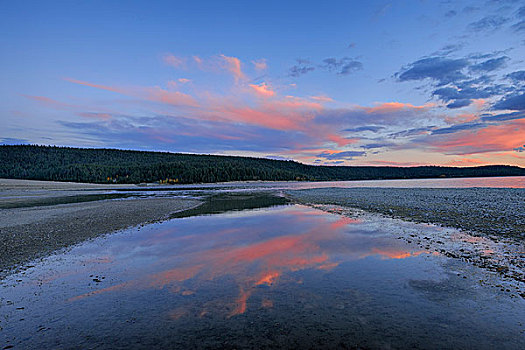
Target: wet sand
[[27, 233]]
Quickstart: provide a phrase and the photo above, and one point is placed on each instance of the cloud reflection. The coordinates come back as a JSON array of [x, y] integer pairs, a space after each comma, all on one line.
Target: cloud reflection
[[253, 250]]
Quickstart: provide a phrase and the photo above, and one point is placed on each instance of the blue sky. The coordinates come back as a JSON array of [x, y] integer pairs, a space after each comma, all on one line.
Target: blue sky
[[350, 82]]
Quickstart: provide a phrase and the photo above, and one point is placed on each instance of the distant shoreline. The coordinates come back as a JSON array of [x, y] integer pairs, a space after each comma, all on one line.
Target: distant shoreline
[[108, 166], [11, 184]]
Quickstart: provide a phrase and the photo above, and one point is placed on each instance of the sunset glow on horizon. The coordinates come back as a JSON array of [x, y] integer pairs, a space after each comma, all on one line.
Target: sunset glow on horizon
[[381, 83]]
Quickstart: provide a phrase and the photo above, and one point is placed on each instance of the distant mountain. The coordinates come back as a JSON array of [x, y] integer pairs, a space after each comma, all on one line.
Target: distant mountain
[[120, 166]]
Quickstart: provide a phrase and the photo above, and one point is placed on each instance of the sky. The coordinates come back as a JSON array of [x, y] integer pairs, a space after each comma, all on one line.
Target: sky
[[397, 83]]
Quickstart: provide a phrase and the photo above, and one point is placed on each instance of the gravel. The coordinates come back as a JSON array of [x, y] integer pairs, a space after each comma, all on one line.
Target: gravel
[[490, 211], [35, 232]]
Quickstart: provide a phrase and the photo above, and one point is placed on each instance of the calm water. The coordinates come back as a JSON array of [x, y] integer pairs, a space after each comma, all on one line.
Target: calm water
[[276, 276], [205, 189], [498, 182]]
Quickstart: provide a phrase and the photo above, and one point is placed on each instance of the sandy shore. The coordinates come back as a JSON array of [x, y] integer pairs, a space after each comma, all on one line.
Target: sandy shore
[[34, 232]]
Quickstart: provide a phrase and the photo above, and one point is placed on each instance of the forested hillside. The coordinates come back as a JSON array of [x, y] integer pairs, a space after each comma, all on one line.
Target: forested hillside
[[119, 166]]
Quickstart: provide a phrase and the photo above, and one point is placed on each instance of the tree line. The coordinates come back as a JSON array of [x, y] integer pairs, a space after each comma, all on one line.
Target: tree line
[[124, 166]]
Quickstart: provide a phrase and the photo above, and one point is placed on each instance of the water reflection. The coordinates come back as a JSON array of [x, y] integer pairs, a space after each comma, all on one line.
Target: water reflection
[[257, 251], [222, 203], [278, 276]]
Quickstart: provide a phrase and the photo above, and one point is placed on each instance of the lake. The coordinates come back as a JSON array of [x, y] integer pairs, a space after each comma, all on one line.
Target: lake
[[497, 182], [260, 273]]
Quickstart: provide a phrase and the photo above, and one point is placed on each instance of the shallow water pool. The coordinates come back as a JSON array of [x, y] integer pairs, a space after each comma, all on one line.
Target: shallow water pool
[[286, 276]]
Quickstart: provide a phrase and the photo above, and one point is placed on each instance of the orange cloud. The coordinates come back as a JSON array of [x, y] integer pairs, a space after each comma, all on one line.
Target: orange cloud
[[461, 118], [160, 280], [241, 302], [268, 278], [392, 253], [262, 89]]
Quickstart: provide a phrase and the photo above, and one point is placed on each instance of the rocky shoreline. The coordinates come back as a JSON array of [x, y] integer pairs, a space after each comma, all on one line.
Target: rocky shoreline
[[489, 211], [490, 221]]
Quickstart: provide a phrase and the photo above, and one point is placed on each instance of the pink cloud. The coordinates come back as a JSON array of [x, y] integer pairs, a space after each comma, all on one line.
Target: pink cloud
[[465, 162], [297, 103], [260, 64], [266, 118], [308, 121], [49, 102], [102, 116], [176, 98], [155, 94], [173, 61], [197, 60], [479, 103], [340, 141], [262, 89], [98, 86], [287, 114], [393, 163], [491, 138], [322, 98], [389, 107], [233, 65]]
